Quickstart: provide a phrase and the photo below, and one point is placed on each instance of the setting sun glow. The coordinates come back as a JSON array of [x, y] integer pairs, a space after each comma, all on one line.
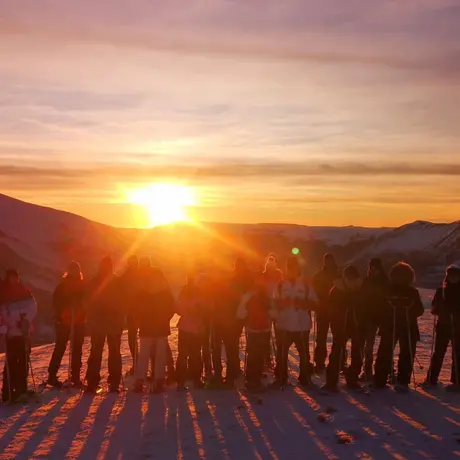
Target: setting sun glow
[[164, 203]]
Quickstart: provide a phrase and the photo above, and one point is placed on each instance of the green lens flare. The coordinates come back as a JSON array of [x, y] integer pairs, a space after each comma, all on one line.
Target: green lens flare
[[296, 251]]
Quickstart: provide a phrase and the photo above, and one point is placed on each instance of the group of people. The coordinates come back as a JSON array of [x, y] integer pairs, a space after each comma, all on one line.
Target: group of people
[[272, 309]]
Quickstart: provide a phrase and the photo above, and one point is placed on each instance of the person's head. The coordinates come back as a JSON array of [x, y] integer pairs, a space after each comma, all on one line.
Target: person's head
[[240, 265], [145, 262], [351, 277], [11, 276], [293, 269], [375, 266], [270, 264], [329, 261], [133, 262], [73, 271], [402, 274], [453, 274], [106, 267]]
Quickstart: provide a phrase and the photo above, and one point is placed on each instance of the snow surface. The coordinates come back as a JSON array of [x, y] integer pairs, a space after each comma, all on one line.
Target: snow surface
[[203, 424]]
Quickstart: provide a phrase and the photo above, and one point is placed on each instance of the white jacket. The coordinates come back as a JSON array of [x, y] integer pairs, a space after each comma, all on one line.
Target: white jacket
[[290, 317], [12, 313]]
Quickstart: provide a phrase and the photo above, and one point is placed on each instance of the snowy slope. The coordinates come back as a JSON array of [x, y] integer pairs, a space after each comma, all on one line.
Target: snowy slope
[[439, 239], [213, 425]]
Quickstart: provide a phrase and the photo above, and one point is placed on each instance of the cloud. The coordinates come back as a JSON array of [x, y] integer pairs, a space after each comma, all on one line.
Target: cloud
[[31, 177]]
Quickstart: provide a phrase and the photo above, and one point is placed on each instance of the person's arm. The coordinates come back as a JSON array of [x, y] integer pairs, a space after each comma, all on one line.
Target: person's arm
[[418, 307], [437, 303]]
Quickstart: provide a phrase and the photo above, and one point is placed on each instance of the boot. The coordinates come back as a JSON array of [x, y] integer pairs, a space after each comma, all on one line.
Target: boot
[[138, 386], [159, 387], [453, 388], [401, 388], [54, 382]]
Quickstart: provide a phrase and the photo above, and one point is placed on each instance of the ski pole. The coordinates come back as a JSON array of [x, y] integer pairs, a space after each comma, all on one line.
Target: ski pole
[[412, 354], [454, 351], [393, 346], [71, 344], [304, 347], [433, 338], [8, 375], [32, 374]]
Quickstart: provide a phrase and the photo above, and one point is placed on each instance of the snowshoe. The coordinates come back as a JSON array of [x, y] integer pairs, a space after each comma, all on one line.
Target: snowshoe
[[198, 385], [428, 385], [329, 389], [319, 370], [54, 382], [94, 390], [256, 387], [453, 388], [279, 385], [158, 388], [401, 389]]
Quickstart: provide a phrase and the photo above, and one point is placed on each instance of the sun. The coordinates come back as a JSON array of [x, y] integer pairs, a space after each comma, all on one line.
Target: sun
[[164, 203]]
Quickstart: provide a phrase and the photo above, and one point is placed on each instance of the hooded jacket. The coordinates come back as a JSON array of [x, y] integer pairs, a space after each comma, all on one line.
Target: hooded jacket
[[294, 300], [323, 282], [191, 307], [374, 291], [255, 309], [105, 313], [68, 301], [155, 305], [17, 310], [346, 309], [446, 303]]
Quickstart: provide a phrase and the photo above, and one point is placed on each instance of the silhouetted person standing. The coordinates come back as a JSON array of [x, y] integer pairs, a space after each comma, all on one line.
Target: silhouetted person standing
[[105, 322], [70, 319], [130, 292], [323, 282]]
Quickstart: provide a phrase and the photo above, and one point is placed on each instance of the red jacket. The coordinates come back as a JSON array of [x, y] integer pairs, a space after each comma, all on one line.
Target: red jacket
[[254, 308]]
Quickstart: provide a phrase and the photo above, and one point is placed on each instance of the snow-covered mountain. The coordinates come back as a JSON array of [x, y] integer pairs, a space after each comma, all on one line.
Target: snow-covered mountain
[[40, 241]]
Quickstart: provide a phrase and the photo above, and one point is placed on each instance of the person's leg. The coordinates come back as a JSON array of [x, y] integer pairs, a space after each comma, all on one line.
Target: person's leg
[[357, 353], [132, 338], [455, 374], [231, 343], [62, 337], [335, 358], [206, 350], [406, 357], [195, 362], [216, 344], [371, 334], [286, 340], [77, 350], [251, 355], [93, 374], [142, 363], [322, 325], [384, 361], [301, 341], [114, 364], [441, 344], [182, 356], [22, 372], [161, 349]]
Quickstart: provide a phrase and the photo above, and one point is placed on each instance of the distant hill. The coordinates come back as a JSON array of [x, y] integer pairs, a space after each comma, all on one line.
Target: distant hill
[[40, 241]]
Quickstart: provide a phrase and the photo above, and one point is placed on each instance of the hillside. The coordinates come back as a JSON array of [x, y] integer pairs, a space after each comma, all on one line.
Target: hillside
[[40, 241]]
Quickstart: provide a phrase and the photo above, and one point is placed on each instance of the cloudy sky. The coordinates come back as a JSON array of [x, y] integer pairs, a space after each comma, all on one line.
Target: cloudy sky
[[331, 112]]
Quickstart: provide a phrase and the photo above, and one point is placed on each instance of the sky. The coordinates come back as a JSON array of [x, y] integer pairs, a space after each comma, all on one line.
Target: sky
[[316, 113]]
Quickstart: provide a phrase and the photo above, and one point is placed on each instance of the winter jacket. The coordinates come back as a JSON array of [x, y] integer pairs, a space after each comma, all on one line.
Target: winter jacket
[[255, 310], [191, 308], [105, 313], [17, 310], [294, 300], [271, 279], [68, 300], [323, 282], [228, 294], [374, 292], [155, 305], [446, 302], [346, 309], [403, 308]]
